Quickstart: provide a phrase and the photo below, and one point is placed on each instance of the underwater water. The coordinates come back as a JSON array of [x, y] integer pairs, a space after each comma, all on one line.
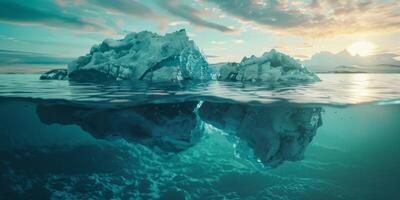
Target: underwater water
[[334, 139]]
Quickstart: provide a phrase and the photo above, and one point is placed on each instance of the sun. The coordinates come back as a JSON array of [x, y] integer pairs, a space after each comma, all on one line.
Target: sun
[[361, 48]]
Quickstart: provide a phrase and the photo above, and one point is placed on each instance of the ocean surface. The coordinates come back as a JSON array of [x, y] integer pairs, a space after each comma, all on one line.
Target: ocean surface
[[334, 139]]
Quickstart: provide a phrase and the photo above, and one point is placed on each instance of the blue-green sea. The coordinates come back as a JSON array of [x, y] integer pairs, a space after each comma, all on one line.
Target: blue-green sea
[[334, 139]]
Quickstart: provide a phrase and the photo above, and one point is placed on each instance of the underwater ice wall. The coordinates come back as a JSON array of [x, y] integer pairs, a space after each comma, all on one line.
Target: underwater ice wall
[[266, 134], [171, 127], [270, 135]]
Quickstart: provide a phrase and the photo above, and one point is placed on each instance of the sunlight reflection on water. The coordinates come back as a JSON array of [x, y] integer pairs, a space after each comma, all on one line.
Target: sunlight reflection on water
[[360, 88]]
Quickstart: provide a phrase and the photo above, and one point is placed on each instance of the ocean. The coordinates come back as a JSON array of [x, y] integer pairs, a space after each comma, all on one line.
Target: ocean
[[334, 139]]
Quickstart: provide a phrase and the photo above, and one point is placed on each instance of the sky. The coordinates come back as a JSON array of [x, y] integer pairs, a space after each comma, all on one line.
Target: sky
[[225, 30]]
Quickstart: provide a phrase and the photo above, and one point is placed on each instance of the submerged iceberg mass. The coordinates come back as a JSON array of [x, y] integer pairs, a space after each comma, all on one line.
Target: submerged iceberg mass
[[257, 133], [171, 127], [142, 56], [270, 135], [271, 67]]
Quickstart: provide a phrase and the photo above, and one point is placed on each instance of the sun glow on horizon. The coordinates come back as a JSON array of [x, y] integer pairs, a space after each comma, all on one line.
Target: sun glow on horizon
[[361, 48]]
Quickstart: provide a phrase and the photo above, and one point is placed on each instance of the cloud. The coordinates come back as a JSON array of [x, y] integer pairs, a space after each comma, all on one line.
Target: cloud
[[285, 47], [318, 18], [139, 10], [15, 13], [130, 8], [23, 57], [234, 41], [212, 56], [191, 14], [126, 7], [301, 56], [178, 23], [271, 13], [218, 42], [12, 39], [237, 41]]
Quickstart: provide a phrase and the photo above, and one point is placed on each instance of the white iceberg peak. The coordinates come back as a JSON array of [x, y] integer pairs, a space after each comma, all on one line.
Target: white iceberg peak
[[142, 56]]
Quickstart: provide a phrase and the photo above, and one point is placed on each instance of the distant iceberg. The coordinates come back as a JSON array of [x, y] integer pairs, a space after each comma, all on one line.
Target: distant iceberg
[[344, 62], [142, 56], [55, 74]]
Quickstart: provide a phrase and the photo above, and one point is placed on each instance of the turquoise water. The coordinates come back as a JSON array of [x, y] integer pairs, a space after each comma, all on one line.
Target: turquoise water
[[335, 139]]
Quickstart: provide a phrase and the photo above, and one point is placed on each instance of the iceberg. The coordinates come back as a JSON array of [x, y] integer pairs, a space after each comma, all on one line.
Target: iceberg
[[258, 133], [271, 67], [142, 56], [173, 57], [55, 74]]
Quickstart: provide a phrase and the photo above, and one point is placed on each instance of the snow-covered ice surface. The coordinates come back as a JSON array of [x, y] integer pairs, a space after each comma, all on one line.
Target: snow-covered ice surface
[[200, 140], [142, 56], [271, 67]]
